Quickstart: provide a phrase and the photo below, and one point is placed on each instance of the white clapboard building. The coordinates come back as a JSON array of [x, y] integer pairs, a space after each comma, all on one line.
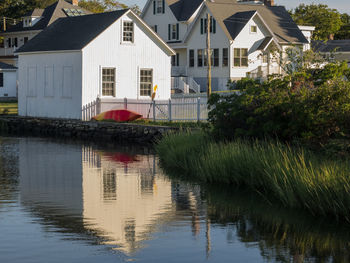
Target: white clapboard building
[[78, 60], [244, 37], [8, 81]]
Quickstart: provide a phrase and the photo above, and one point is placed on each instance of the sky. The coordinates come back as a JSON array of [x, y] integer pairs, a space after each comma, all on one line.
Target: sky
[[343, 6]]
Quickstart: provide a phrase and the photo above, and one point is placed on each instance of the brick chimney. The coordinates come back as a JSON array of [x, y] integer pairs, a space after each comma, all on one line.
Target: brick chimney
[[75, 2], [269, 2]]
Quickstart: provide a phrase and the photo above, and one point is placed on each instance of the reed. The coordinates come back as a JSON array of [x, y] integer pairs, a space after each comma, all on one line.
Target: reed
[[291, 176]]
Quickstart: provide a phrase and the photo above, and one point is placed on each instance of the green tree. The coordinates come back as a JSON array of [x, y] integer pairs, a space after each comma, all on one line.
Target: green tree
[[344, 31], [99, 6], [326, 20]]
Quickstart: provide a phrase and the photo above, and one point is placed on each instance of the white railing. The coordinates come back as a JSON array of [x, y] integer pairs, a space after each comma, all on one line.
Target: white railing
[[176, 109], [7, 51], [185, 85]]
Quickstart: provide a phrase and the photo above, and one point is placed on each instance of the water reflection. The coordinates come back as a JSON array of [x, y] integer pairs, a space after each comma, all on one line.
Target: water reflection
[[124, 196], [119, 198]]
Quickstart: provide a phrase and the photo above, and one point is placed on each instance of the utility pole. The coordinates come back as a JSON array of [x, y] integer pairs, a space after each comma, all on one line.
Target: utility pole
[[208, 56], [4, 23]]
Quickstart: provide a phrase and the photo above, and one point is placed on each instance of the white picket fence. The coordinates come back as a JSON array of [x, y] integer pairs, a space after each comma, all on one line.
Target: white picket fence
[[176, 109]]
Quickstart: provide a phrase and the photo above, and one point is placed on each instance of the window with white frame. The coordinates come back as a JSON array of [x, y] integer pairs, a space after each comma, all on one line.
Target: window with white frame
[[108, 82], [128, 31], [225, 57], [1, 80], [159, 6], [173, 31], [253, 29], [146, 82], [240, 57]]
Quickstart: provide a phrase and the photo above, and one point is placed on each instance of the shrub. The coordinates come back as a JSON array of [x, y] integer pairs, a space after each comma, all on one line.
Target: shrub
[[291, 107]]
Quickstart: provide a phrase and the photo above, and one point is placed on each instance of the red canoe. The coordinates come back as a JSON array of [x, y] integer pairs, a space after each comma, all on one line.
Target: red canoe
[[118, 116]]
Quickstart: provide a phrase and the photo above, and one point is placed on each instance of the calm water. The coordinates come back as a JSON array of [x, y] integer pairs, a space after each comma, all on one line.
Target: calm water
[[70, 202]]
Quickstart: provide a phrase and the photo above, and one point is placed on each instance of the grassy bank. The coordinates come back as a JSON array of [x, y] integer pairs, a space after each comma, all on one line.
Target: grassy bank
[[8, 108], [292, 177]]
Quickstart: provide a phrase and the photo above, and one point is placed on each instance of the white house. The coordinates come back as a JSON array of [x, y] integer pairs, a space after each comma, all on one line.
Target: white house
[[8, 81], [78, 60], [31, 24], [243, 35]]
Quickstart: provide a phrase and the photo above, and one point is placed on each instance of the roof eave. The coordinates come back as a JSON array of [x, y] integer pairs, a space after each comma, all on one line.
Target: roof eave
[[47, 51]]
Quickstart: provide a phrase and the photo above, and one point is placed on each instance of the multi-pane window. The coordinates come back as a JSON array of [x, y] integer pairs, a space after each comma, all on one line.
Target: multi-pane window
[[253, 29], [200, 57], [128, 31], [146, 82], [225, 57], [265, 58], [175, 60], [205, 58], [215, 57], [1, 80], [108, 82], [159, 5], [240, 57], [191, 57], [204, 25]]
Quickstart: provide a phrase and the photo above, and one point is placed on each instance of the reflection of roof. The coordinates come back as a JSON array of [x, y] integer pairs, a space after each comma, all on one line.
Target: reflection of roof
[[71, 33], [331, 45], [6, 66], [276, 17], [183, 9], [49, 15]]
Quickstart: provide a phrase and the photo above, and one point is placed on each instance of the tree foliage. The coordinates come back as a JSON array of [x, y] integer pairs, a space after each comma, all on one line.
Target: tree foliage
[[311, 103], [99, 6], [326, 20], [18, 8]]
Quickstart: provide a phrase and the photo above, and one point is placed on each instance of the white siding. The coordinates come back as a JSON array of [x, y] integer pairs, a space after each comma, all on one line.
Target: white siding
[[197, 41], [9, 88], [162, 21], [108, 51], [251, 41], [50, 85]]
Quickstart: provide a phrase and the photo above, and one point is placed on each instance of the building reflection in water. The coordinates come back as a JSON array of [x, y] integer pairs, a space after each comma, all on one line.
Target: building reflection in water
[[124, 196]]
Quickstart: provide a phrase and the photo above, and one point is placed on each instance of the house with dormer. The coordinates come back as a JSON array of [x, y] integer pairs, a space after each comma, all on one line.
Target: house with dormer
[[31, 24], [244, 36]]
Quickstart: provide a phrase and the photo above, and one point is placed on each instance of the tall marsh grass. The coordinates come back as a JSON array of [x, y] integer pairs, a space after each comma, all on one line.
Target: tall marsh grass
[[294, 177]]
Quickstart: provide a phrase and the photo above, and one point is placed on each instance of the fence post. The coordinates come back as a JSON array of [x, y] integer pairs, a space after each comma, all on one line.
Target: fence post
[[169, 109], [154, 110], [125, 103], [198, 109]]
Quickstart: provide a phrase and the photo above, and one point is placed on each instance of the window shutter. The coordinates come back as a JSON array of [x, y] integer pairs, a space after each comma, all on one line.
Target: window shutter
[[202, 26], [177, 31], [156, 28], [163, 6], [169, 31], [214, 26], [16, 43], [177, 59], [154, 7]]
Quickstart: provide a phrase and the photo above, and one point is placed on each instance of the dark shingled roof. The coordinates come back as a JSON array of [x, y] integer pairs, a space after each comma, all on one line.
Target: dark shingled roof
[[276, 17], [183, 9], [264, 44], [236, 22], [71, 33], [6, 66], [331, 45], [49, 15]]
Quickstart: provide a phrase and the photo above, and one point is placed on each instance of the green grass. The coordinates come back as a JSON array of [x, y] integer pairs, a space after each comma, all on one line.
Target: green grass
[[8, 108], [292, 177]]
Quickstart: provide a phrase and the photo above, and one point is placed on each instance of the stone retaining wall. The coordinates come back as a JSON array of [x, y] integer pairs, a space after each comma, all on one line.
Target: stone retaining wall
[[93, 130]]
